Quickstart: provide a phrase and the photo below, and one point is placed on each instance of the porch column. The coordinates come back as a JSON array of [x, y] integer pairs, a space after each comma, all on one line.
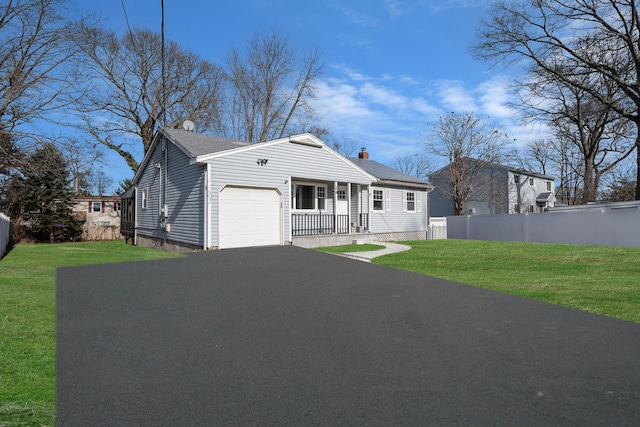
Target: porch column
[[349, 206], [335, 207], [359, 206]]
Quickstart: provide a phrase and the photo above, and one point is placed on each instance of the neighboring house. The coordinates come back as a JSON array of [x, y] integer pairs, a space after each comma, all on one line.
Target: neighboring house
[[195, 191], [498, 190], [100, 217]]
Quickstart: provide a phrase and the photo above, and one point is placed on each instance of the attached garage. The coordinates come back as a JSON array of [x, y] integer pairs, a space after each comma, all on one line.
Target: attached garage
[[250, 216]]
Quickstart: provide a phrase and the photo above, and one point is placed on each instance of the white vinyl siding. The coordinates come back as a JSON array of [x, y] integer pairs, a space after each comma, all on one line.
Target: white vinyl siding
[[395, 218], [184, 197], [286, 162]]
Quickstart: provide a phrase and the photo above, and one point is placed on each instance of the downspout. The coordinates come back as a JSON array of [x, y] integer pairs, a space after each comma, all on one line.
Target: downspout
[[165, 205], [207, 217], [135, 215]]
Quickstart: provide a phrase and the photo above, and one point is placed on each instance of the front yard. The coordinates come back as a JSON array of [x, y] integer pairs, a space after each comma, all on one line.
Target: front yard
[[603, 280], [27, 322], [598, 279]]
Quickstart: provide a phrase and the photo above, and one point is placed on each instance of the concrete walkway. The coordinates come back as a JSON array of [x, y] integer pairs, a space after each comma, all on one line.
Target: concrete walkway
[[389, 248]]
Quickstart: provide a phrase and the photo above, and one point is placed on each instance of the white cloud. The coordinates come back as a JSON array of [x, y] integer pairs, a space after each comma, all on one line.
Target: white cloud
[[395, 8], [494, 97], [374, 112], [455, 97], [388, 116], [358, 18], [436, 6]]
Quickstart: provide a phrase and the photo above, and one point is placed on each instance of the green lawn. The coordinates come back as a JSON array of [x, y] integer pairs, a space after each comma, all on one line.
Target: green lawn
[[27, 322], [598, 279]]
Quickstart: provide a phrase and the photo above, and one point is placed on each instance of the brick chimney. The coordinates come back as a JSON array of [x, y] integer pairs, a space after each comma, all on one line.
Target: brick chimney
[[363, 154]]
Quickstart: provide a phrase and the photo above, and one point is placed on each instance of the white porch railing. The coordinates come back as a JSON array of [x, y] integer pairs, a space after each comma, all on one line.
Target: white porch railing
[[310, 224]]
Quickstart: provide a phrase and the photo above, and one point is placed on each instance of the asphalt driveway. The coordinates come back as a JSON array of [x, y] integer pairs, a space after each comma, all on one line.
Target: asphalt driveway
[[284, 336]]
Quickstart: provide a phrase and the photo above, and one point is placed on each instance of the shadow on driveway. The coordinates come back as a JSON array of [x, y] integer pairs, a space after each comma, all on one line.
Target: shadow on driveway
[[287, 336]]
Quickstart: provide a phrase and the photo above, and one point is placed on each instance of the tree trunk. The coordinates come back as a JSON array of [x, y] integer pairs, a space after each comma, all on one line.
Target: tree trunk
[[589, 191]]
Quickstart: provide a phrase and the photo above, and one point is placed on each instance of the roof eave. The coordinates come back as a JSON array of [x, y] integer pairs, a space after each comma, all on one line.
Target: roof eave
[[426, 186]]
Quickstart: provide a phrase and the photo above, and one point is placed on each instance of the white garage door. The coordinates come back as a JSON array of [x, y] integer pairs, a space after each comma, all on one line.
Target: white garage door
[[249, 217]]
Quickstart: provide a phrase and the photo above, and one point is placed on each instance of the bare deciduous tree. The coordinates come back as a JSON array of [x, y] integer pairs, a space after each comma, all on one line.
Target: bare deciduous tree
[[417, 165], [600, 134], [469, 144], [35, 66], [538, 156], [81, 157], [348, 147], [270, 86], [126, 95], [571, 40]]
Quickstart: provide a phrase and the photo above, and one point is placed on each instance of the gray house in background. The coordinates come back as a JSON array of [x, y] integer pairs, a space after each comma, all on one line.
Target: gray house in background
[[499, 190], [195, 191]]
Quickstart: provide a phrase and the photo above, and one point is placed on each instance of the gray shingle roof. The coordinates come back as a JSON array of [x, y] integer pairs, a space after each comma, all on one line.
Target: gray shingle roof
[[198, 144], [386, 173]]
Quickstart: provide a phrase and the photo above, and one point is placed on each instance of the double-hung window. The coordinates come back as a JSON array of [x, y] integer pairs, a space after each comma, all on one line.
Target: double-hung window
[[144, 198], [309, 197], [378, 200], [411, 201], [321, 193], [97, 206]]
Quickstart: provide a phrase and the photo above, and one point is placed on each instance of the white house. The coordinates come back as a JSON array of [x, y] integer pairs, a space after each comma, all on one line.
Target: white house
[[498, 190], [195, 191], [99, 215]]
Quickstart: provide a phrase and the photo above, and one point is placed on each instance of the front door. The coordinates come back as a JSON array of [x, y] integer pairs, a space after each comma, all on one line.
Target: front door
[[342, 202], [342, 210]]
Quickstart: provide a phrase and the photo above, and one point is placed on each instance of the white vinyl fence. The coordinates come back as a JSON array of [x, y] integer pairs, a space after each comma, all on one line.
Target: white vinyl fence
[[437, 228], [5, 234], [614, 224]]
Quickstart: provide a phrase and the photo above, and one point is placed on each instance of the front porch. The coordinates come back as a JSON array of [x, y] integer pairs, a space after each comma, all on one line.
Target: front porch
[[328, 209], [313, 224]]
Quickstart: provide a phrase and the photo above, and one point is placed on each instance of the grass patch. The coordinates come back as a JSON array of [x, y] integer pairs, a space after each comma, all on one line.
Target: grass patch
[[27, 322], [365, 247], [598, 279]]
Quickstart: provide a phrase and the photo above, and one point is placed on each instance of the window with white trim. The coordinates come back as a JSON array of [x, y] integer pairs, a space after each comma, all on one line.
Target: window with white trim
[[321, 194], [308, 197], [548, 185], [144, 198], [97, 206], [530, 181], [378, 200], [410, 201]]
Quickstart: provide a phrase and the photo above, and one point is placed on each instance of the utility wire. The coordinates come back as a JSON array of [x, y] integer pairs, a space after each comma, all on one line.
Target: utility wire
[[126, 18], [164, 88]]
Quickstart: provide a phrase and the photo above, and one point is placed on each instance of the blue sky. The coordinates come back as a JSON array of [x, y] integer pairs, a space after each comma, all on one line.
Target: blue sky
[[392, 67]]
